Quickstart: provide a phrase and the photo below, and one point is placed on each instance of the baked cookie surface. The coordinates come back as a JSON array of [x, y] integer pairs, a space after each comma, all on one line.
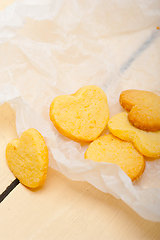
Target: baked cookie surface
[[111, 149], [147, 143], [27, 158], [143, 108], [81, 116]]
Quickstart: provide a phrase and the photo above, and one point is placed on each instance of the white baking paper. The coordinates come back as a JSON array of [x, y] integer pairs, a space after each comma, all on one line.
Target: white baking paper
[[53, 47]]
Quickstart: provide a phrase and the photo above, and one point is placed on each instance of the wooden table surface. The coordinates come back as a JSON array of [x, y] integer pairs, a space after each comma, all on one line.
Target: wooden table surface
[[62, 209]]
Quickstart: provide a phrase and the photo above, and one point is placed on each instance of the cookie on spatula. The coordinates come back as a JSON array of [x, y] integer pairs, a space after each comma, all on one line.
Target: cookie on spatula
[[111, 149], [81, 116], [143, 108], [27, 158]]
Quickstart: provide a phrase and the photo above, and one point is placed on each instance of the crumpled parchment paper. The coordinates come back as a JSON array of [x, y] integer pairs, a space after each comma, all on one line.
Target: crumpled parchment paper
[[53, 47]]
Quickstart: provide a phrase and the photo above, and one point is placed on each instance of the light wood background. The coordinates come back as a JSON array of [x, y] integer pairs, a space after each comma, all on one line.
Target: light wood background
[[62, 209]]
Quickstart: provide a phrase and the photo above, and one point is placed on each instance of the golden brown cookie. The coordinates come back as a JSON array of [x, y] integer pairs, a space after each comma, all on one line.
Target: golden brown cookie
[[147, 143], [143, 108], [27, 158], [111, 149], [81, 116]]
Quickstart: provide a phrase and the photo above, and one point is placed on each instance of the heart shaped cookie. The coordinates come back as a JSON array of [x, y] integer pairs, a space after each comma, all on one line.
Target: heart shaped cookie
[[143, 108], [81, 116], [27, 158], [113, 150], [147, 143]]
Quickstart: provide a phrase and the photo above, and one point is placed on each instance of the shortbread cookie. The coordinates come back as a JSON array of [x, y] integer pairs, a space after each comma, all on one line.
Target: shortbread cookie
[[143, 108], [147, 143], [111, 149], [81, 116], [27, 158]]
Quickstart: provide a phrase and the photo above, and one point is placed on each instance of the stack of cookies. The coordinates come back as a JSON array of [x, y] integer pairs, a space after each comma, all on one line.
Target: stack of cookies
[[84, 115]]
